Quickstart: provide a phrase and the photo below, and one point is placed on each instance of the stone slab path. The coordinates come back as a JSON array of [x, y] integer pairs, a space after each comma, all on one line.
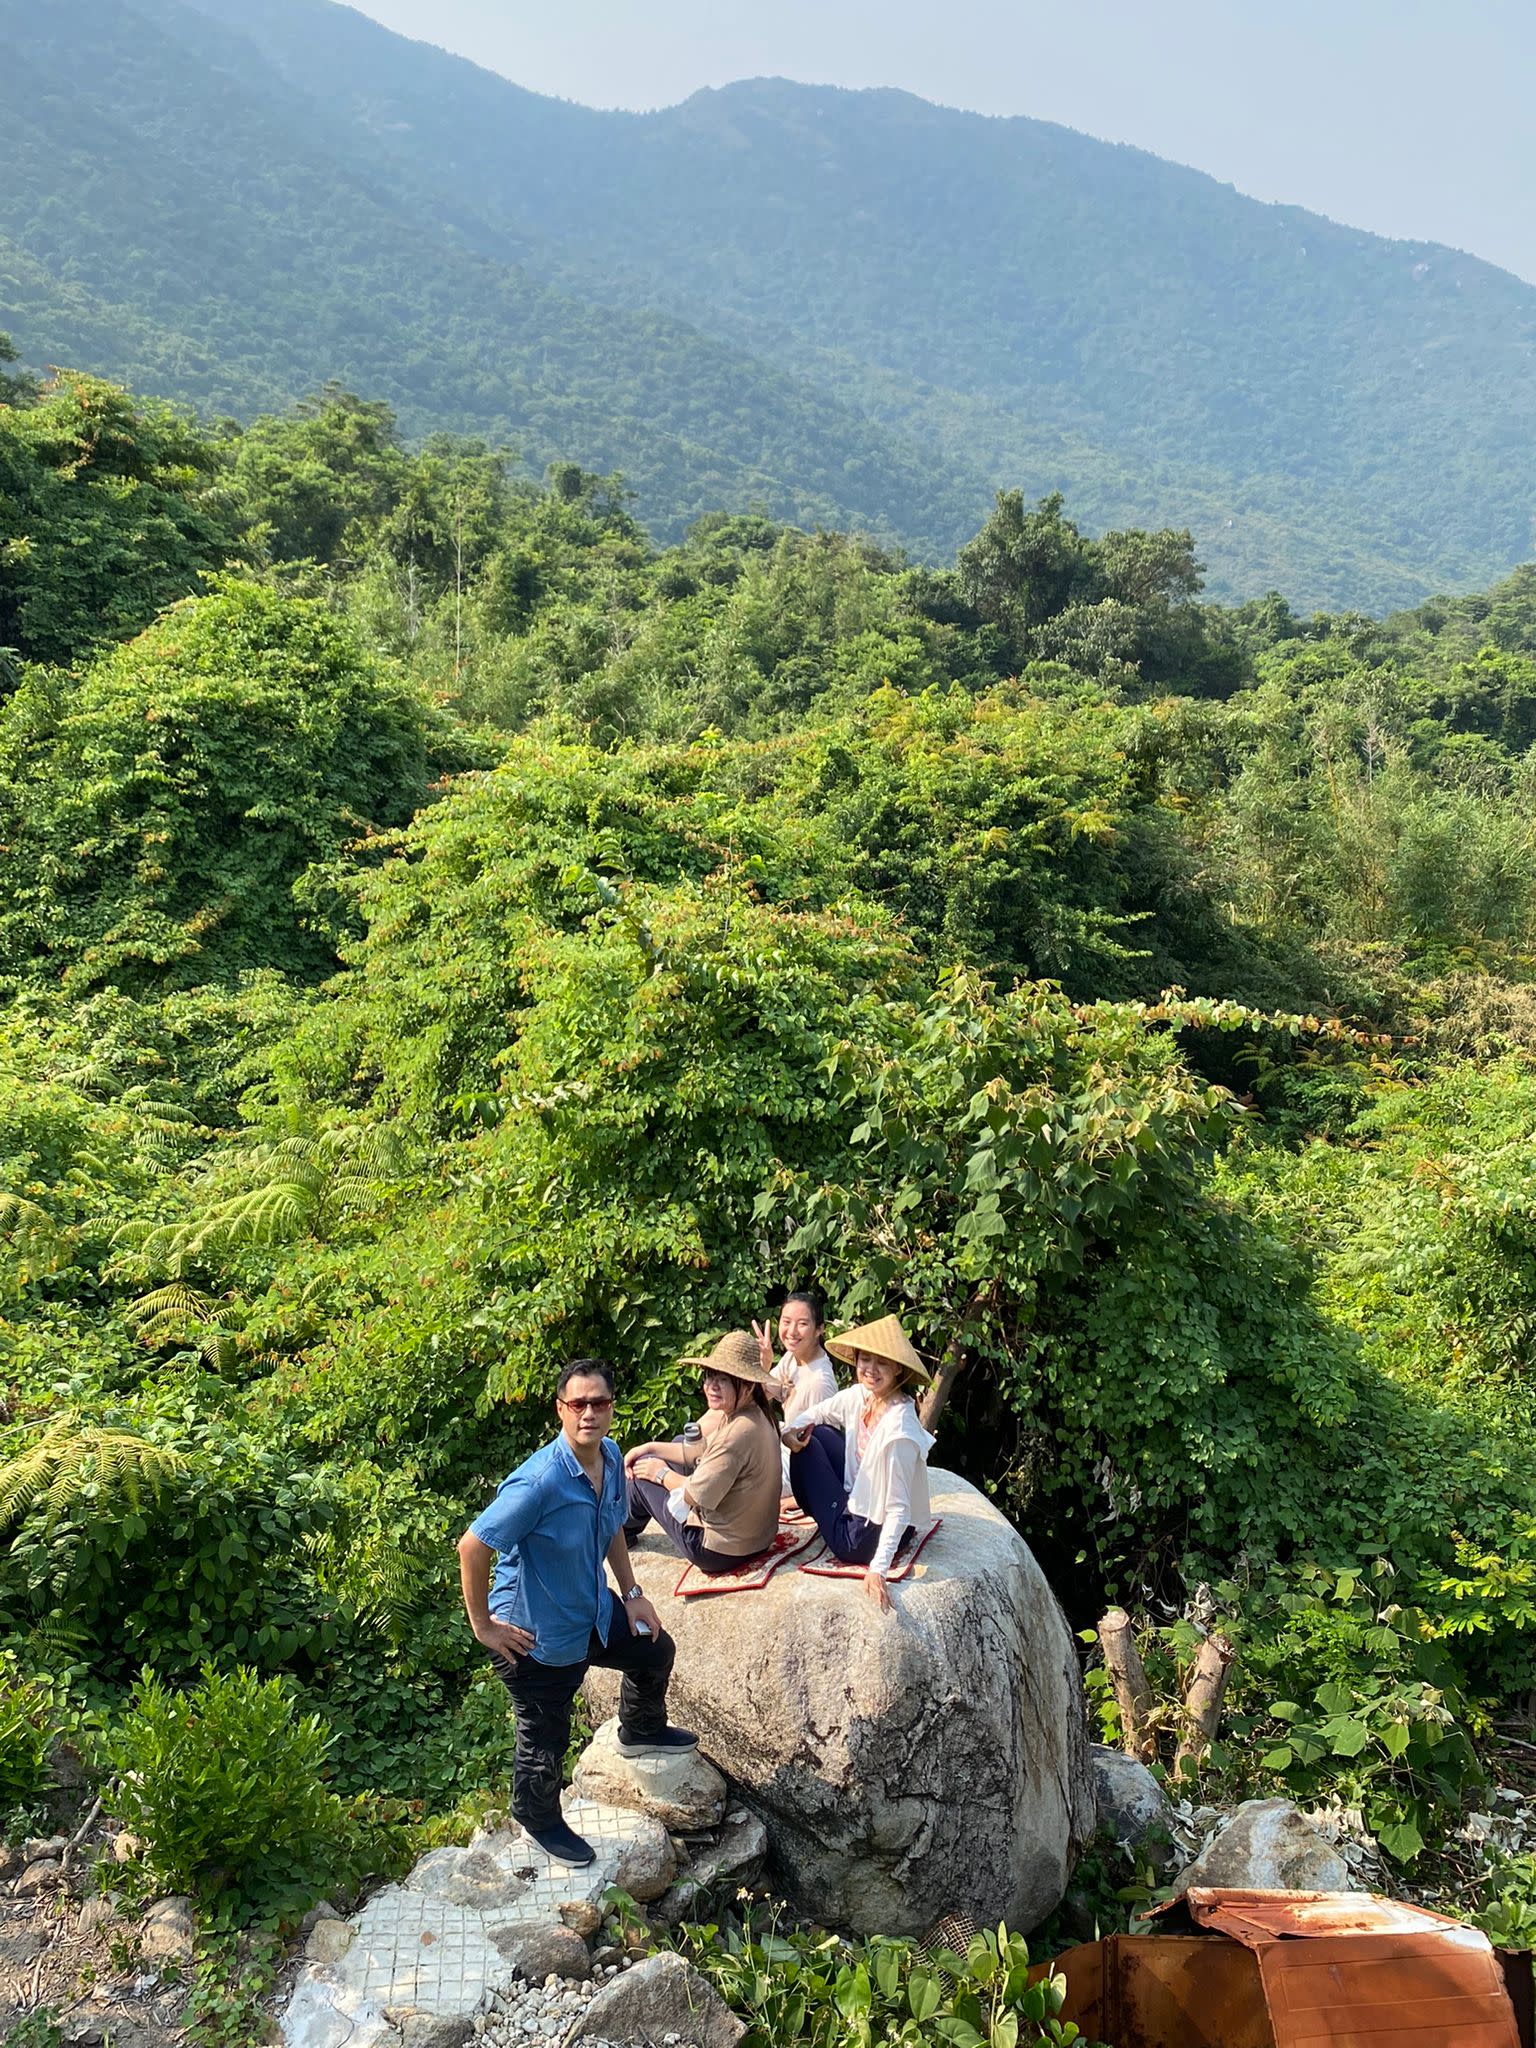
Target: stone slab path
[[452, 1942]]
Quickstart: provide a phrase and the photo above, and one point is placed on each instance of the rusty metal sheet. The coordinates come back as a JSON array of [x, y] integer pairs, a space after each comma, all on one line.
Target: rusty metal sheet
[[1331, 1970], [1168, 1991], [1254, 1918], [1432, 1989]]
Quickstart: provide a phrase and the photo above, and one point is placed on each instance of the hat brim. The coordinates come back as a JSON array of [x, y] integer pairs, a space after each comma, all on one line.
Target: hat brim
[[845, 1354], [756, 1377]]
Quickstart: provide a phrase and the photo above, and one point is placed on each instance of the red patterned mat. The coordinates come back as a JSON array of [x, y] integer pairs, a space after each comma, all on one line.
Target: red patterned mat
[[833, 1568], [754, 1574]]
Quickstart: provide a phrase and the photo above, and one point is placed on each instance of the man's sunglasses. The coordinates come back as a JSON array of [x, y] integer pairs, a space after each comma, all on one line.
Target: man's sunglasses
[[596, 1402]]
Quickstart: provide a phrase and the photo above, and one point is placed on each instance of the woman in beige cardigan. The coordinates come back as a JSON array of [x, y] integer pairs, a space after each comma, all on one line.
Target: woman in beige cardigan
[[717, 1500]]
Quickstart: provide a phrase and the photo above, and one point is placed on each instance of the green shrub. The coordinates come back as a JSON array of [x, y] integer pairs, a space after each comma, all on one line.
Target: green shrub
[[1507, 1914], [226, 1784], [1339, 1691], [816, 1990], [26, 1733]]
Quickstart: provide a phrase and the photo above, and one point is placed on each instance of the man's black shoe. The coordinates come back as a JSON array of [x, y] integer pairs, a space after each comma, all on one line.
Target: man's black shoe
[[667, 1743], [561, 1842]]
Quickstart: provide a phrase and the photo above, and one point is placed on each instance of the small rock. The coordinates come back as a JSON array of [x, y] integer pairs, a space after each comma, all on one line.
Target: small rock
[[680, 1788], [648, 1864], [1131, 1803], [543, 1951], [98, 1913], [661, 1996], [467, 1877], [127, 1848], [329, 1940], [422, 2030], [1267, 1846], [20, 1946], [39, 1876], [40, 1846], [323, 1911], [85, 2033], [168, 1932], [582, 1916]]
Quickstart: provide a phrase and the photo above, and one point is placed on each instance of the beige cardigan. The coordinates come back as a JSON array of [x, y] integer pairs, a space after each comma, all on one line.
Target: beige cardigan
[[732, 1488]]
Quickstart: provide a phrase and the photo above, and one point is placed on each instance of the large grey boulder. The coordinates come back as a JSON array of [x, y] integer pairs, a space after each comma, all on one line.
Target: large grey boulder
[[661, 2000], [907, 1765], [1267, 1846]]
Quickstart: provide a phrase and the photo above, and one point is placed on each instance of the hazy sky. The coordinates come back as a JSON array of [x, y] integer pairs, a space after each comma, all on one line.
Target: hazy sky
[[1409, 117]]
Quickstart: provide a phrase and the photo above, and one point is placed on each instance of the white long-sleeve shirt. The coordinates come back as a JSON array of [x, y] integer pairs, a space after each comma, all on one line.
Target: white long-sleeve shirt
[[805, 1382], [889, 1484]]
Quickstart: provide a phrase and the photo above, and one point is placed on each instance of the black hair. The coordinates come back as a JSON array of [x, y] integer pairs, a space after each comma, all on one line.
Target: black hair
[[811, 1297], [585, 1369], [758, 1395]]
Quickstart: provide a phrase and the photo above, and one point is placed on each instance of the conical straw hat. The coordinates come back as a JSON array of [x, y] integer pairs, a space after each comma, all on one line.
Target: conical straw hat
[[736, 1355], [886, 1339]]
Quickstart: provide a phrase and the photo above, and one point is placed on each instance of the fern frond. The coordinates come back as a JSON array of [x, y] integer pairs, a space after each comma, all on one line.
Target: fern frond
[[70, 1456], [261, 1216], [30, 1241]]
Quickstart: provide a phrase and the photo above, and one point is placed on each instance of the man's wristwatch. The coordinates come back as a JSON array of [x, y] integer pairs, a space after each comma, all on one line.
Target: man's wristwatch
[[634, 1593]]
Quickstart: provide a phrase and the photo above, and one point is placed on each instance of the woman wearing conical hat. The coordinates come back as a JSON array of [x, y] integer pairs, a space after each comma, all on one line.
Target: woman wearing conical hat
[[716, 1500], [858, 1463]]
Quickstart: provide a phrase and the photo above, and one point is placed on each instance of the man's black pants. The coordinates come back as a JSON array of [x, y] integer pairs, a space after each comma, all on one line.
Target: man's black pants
[[543, 1694]]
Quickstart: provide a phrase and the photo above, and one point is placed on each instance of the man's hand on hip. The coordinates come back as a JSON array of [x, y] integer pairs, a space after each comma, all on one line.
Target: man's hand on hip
[[504, 1638]]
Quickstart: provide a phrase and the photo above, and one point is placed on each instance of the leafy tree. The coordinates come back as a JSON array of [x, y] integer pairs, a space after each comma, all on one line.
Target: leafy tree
[[109, 510], [160, 814], [16, 388]]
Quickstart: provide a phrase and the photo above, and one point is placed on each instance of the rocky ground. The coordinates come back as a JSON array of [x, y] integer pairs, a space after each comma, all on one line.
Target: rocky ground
[[68, 1952]]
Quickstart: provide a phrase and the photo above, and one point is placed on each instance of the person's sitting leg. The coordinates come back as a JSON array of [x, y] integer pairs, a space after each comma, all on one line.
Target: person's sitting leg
[[645, 1663], [542, 1695], [654, 1500], [816, 1475], [641, 1512]]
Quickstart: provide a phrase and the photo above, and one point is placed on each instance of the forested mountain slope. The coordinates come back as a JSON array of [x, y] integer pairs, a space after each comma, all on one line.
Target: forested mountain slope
[[244, 254], [847, 306]]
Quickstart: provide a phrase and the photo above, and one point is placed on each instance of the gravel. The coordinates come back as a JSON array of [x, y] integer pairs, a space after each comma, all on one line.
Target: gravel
[[541, 2015]]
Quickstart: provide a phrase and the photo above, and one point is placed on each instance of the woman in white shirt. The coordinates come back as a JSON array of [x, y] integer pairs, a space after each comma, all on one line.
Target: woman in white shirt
[[858, 1463], [803, 1375]]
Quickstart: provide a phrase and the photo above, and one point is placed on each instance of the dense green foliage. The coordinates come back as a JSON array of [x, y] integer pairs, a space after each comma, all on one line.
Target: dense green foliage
[[848, 309], [158, 813], [816, 1990], [225, 1786], [470, 936]]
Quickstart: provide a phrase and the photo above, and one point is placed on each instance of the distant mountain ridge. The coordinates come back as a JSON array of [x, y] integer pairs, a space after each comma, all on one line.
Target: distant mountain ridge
[[850, 308]]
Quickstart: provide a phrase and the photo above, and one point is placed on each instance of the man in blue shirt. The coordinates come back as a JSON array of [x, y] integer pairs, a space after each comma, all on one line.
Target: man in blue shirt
[[550, 1612]]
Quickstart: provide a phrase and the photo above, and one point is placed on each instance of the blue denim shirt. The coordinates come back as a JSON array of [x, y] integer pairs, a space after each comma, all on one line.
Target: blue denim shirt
[[551, 1533]]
